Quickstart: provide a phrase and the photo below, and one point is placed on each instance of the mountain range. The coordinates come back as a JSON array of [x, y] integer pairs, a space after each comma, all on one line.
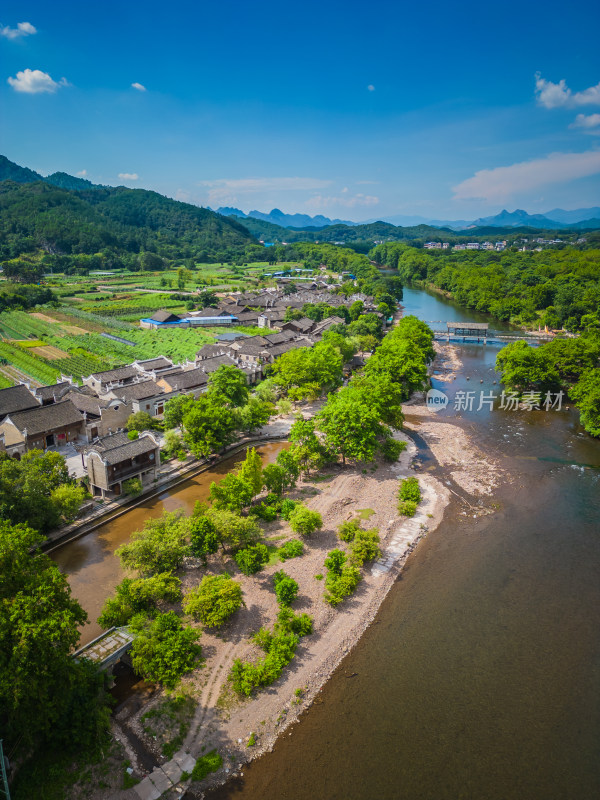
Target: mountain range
[[552, 220], [277, 217]]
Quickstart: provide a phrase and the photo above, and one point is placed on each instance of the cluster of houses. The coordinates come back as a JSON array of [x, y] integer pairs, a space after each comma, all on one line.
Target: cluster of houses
[[93, 416], [496, 246]]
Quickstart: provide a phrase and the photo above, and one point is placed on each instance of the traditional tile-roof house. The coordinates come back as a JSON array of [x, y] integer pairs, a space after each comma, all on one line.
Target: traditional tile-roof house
[[102, 416], [324, 325], [16, 398], [210, 351], [193, 380], [115, 459], [272, 318], [102, 382], [303, 325], [42, 427], [145, 396], [152, 365], [52, 394]]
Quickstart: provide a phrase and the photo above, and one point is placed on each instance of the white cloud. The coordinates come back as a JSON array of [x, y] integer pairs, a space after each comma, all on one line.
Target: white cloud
[[496, 185], [22, 29], [82, 173], [128, 176], [34, 81], [139, 86], [588, 123], [345, 200], [370, 88], [226, 190], [558, 95]]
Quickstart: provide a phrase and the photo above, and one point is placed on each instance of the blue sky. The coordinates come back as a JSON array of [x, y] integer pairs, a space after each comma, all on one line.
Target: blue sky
[[353, 110]]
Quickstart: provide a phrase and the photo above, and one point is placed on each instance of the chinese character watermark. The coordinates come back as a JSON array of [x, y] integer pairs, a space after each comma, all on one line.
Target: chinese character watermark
[[509, 401]]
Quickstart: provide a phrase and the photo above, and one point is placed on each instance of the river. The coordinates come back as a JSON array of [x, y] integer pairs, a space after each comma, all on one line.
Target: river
[[479, 678]]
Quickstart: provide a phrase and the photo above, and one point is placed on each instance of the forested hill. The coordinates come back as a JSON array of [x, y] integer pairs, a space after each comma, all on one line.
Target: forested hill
[[37, 217]]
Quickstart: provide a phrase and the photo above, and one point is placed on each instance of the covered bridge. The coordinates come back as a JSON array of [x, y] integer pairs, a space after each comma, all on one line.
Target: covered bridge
[[476, 329]]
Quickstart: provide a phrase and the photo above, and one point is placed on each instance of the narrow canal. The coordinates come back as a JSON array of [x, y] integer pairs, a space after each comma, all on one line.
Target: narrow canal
[[90, 562]]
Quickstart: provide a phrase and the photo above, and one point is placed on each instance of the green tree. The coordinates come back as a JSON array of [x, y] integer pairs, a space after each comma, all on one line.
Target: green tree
[[203, 537], [365, 546], [142, 421], [175, 410], [215, 600], [250, 471], [135, 595], [164, 649], [26, 488], [352, 428], [230, 382], [67, 500], [39, 681], [159, 547], [209, 426], [586, 394], [253, 415], [231, 493], [232, 530]]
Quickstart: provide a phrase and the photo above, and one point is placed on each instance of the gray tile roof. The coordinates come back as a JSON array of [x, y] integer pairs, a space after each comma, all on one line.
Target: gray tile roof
[[137, 391], [118, 374], [209, 365], [165, 316], [16, 398], [155, 363], [54, 392], [46, 418], [187, 380], [123, 451], [83, 402]]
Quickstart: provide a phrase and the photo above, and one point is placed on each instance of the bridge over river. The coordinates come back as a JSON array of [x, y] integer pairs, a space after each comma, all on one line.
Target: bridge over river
[[108, 648]]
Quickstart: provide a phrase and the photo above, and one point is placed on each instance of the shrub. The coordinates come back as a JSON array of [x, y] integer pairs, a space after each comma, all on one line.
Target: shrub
[[132, 487], [132, 435], [211, 762], [410, 490], [291, 549], [341, 586], [263, 638], [215, 600], [365, 546], [407, 508], [335, 561], [286, 588], [164, 649], [252, 559], [304, 521], [348, 530], [264, 512], [287, 507], [392, 448]]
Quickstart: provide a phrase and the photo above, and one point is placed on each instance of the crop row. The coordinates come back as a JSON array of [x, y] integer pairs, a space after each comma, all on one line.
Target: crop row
[[38, 368]]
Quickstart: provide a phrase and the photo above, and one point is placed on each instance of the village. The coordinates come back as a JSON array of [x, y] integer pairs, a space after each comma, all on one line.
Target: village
[[87, 423]]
